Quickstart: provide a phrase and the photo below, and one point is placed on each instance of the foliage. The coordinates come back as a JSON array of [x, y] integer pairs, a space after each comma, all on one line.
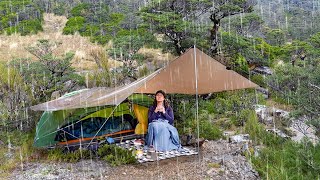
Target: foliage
[[50, 73], [242, 50], [299, 86], [298, 19], [174, 20], [288, 160], [126, 45], [22, 17], [116, 155], [247, 25], [221, 10], [280, 158], [275, 37], [73, 156], [294, 51], [15, 97], [101, 76], [25, 27], [253, 127], [18, 149], [233, 105], [73, 25], [258, 79], [94, 20]]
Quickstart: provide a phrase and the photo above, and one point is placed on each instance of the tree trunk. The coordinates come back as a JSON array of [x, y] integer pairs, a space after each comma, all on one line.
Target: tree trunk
[[178, 47], [214, 35]]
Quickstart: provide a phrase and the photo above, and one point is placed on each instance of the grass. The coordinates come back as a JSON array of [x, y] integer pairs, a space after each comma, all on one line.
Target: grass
[[13, 46], [21, 150], [279, 103]]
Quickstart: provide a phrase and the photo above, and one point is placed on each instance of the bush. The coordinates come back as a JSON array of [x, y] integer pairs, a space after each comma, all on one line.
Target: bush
[[209, 131], [259, 80], [74, 156], [73, 25], [116, 155], [254, 128], [288, 160]]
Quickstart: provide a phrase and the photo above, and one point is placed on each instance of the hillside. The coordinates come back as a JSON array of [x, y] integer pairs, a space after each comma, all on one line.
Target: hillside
[[13, 46]]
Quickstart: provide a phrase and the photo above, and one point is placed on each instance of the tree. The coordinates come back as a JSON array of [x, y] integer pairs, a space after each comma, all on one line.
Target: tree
[[275, 37], [22, 17], [222, 9], [247, 25], [96, 21], [50, 73], [174, 19], [125, 48]]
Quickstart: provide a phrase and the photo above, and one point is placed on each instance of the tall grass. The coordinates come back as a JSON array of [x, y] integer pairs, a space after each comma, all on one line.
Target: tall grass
[[16, 150]]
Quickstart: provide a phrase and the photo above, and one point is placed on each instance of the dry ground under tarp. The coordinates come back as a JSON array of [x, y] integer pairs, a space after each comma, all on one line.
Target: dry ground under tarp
[[218, 160]]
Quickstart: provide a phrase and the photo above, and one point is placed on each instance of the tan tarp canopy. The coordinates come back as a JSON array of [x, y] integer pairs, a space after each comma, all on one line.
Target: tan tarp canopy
[[179, 76]]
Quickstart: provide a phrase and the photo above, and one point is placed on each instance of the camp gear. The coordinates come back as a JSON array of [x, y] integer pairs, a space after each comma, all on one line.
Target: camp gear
[[194, 72], [178, 77]]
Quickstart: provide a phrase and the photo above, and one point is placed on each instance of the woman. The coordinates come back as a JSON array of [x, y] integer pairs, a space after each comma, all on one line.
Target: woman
[[162, 136]]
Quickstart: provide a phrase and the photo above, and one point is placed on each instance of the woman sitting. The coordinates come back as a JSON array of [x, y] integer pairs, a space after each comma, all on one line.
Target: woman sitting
[[162, 136]]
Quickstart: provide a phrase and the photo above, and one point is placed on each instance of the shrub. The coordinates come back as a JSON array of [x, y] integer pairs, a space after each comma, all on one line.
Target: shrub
[[59, 155], [258, 79], [116, 155]]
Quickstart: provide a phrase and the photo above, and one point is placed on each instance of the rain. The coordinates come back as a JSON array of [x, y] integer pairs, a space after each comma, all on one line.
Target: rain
[[82, 82]]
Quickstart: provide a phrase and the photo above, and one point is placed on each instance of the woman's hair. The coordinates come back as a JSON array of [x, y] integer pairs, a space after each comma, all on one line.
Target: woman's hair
[[165, 102]]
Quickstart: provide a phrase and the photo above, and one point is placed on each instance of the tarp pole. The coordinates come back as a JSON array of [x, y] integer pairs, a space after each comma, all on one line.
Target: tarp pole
[[197, 106]]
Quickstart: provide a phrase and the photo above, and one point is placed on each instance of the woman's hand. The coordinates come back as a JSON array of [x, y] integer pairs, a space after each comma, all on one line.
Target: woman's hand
[[157, 109], [160, 109]]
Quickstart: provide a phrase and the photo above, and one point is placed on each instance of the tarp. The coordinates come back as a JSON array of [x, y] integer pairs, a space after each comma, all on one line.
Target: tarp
[[100, 96], [181, 76]]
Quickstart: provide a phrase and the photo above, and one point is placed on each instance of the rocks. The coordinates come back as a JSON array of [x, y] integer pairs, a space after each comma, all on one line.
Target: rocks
[[297, 128], [232, 164], [302, 130], [264, 91], [190, 140], [263, 70], [267, 115], [278, 132], [55, 95], [239, 138]]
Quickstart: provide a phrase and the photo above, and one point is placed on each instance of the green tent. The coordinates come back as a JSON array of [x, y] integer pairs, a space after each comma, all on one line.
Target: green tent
[[53, 123]]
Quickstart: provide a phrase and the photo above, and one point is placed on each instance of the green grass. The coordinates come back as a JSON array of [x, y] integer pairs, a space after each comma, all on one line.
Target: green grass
[[21, 150]]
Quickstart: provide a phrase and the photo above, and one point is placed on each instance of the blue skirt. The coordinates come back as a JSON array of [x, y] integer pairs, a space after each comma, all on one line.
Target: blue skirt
[[162, 136]]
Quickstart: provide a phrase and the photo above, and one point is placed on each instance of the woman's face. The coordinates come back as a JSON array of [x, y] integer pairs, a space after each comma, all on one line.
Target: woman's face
[[159, 97]]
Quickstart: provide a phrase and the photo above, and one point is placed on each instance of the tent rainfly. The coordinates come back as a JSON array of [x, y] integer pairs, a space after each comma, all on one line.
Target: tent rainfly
[[194, 72]]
